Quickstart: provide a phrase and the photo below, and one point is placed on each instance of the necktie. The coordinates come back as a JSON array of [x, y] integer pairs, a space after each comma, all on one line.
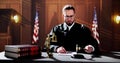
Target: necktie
[[66, 31]]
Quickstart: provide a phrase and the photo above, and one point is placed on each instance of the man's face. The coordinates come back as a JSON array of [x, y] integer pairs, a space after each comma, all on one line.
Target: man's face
[[69, 17]]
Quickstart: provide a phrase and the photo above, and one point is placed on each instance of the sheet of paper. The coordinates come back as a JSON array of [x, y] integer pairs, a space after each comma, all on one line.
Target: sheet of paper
[[68, 53]]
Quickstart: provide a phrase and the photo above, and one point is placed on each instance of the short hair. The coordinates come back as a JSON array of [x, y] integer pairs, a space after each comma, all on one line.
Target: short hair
[[68, 7]]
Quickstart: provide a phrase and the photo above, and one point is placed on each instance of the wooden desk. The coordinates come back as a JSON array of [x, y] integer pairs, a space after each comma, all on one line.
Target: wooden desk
[[61, 58]]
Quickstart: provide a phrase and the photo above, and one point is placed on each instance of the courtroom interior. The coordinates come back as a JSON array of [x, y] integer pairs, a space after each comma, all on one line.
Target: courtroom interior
[[17, 19]]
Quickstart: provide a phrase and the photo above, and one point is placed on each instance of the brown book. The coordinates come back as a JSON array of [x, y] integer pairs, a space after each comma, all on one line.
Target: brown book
[[17, 51], [22, 55], [16, 55], [21, 48]]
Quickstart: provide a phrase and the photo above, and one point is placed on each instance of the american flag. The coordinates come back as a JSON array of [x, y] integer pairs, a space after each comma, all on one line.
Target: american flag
[[36, 30], [95, 26]]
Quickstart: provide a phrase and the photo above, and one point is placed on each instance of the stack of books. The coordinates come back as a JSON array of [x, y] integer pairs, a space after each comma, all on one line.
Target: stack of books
[[22, 51]]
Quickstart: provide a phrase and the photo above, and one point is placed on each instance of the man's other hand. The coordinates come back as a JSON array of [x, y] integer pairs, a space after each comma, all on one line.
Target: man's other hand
[[89, 49], [61, 50]]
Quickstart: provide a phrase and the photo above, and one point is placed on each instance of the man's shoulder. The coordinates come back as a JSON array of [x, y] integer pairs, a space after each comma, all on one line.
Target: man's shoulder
[[79, 25], [59, 25]]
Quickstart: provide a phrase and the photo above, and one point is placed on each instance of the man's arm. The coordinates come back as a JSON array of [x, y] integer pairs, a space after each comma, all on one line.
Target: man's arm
[[92, 46]]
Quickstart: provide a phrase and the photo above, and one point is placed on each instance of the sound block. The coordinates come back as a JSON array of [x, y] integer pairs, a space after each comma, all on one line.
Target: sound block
[[78, 56]]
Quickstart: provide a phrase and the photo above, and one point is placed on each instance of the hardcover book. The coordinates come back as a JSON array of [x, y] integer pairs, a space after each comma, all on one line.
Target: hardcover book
[[22, 55], [17, 51], [21, 48]]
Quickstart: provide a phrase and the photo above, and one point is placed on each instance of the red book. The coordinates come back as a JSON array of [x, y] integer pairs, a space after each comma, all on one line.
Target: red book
[[21, 48], [17, 51]]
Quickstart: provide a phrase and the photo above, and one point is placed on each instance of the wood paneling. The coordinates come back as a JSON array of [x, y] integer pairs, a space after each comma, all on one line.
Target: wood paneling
[[26, 35], [5, 39], [21, 33]]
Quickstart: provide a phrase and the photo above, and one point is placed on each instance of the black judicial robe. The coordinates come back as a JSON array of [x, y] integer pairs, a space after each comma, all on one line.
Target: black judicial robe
[[78, 34]]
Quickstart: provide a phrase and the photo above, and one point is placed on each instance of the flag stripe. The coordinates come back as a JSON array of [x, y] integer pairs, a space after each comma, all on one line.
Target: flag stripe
[[95, 27], [36, 30]]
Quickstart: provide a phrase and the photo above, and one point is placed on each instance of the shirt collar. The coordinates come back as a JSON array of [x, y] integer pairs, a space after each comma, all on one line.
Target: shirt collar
[[65, 26]]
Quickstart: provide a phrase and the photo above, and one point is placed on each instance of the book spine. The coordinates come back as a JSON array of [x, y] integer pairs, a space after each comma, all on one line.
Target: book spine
[[19, 55], [22, 49]]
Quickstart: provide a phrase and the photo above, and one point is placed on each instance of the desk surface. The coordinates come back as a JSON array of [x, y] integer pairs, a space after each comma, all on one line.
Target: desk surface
[[67, 58]]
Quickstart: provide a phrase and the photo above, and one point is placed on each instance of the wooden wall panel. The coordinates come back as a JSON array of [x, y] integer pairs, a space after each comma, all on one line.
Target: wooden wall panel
[[2, 6], [22, 32], [16, 6], [80, 13], [7, 38], [26, 32], [52, 16]]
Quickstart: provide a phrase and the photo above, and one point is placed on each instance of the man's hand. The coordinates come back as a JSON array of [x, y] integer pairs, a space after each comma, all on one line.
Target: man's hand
[[89, 49], [61, 50]]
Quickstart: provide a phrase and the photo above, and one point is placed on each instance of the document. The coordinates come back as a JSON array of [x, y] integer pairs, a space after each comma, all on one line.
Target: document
[[68, 53]]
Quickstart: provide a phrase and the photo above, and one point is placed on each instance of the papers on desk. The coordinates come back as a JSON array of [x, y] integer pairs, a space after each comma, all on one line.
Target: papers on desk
[[86, 56], [68, 53]]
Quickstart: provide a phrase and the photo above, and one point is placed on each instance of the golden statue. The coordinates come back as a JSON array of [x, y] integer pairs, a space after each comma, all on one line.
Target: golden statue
[[53, 38], [49, 39]]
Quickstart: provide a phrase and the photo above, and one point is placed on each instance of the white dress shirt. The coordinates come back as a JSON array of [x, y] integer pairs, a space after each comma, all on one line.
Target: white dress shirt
[[69, 27]]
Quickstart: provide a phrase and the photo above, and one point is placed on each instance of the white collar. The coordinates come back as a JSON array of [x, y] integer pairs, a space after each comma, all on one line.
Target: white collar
[[65, 26]]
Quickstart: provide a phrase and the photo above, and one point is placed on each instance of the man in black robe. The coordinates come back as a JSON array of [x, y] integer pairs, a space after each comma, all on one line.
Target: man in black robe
[[71, 34]]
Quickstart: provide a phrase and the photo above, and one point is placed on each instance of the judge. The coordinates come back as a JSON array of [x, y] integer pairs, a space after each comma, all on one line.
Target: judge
[[69, 34]]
